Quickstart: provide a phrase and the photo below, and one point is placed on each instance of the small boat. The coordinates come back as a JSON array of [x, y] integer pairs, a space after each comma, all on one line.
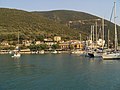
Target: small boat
[[95, 54], [54, 52], [10, 52], [91, 55], [16, 55], [77, 52], [41, 52]]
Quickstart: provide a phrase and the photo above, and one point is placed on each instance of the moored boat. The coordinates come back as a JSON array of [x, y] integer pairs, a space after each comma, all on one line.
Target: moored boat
[[115, 54], [16, 55], [111, 55]]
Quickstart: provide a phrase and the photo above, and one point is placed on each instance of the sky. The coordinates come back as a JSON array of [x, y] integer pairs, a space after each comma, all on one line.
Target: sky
[[102, 8]]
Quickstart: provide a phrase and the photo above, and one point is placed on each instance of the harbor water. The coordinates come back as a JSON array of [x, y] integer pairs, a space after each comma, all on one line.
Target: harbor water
[[58, 72]]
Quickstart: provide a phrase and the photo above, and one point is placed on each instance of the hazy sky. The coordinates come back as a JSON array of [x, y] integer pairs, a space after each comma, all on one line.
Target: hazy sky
[[102, 8]]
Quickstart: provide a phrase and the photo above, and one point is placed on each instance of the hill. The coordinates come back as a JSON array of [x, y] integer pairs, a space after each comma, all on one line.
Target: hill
[[81, 21], [30, 25], [39, 25]]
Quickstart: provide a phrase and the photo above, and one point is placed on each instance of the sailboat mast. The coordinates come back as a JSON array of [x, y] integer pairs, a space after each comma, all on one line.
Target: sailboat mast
[[115, 25], [18, 37], [91, 33], [103, 32], [96, 32], [91, 36], [108, 37]]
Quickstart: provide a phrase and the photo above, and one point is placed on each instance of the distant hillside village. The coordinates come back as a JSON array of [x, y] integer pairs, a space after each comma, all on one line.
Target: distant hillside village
[[52, 30], [48, 45]]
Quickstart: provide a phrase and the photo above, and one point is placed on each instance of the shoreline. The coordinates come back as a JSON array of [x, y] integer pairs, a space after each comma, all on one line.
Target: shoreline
[[30, 52]]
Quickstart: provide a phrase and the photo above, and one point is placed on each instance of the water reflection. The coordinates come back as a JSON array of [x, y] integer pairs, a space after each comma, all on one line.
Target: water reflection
[[17, 62], [95, 60], [101, 61], [110, 61]]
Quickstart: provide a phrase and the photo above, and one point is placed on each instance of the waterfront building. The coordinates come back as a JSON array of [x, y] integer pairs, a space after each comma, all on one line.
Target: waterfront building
[[76, 44], [57, 38], [72, 44], [49, 42], [64, 46], [5, 43], [26, 42], [38, 42]]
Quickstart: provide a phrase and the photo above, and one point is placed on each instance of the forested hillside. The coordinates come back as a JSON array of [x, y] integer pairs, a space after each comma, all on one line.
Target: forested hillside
[[81, 21], [30, 26], [39, 25]]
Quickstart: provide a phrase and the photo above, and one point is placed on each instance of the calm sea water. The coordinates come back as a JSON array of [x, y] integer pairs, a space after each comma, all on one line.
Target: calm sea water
[[58, 72]]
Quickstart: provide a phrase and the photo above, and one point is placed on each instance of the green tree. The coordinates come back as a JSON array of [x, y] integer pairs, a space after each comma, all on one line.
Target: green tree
[[43, 47], [38, 47], [32, 48], [55, 46], [40, 37]]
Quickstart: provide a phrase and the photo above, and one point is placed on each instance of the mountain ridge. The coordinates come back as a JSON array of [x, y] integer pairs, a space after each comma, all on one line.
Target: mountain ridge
[[76, 16], [34, 25]]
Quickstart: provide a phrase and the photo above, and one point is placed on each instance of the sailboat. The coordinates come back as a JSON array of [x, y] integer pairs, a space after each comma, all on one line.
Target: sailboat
[[94, 52], [16, 55], [17, 50], [115, 54]]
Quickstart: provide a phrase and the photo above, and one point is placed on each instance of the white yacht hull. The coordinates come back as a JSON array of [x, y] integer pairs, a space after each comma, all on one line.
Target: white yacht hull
[[16, 55], [111, 56], [97, 55]]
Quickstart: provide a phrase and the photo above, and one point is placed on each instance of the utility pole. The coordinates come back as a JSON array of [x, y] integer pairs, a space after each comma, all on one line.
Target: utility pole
[[80, 37]]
